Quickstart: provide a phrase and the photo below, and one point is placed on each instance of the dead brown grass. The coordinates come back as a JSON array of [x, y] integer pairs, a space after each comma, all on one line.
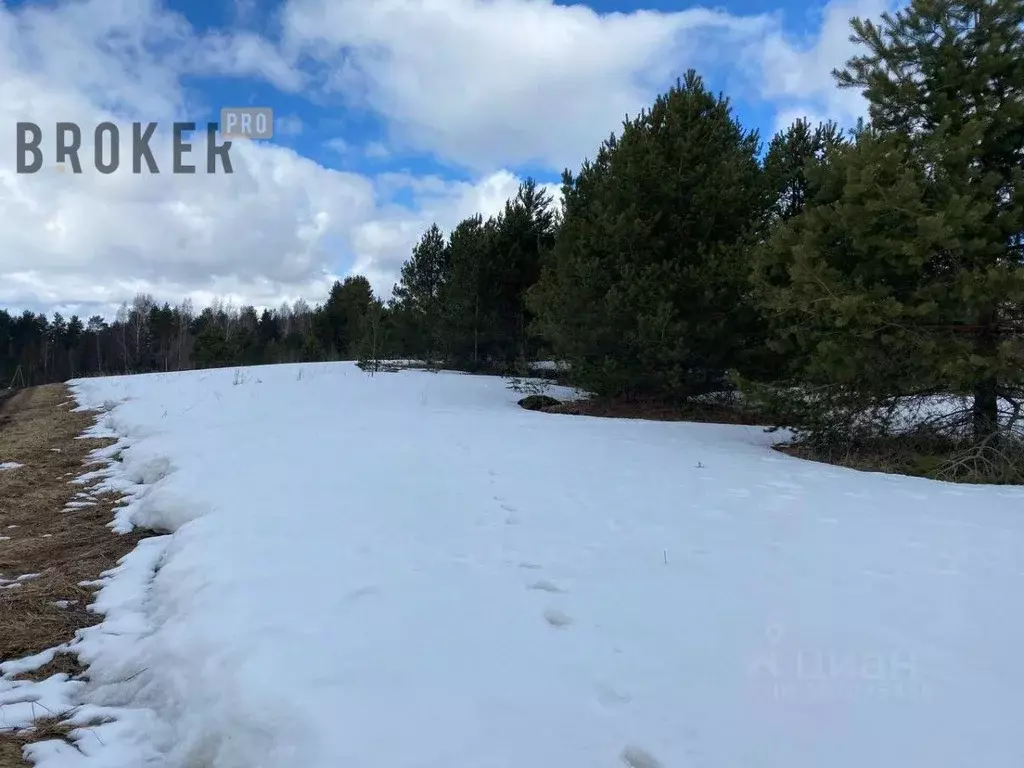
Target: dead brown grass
[[65, 548], [12, 743]]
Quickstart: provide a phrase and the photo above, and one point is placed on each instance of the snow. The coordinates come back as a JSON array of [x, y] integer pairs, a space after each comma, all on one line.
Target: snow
[[6, 465], [29, 663], [409, 570], [549, 365]]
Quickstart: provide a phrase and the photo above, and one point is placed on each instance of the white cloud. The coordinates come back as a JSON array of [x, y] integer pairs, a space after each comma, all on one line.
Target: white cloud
[[510, 82], [490, 83], [278, 228], [337, 144], [288, 125], [242, 53], [486, 83], [376, 150], [796, 74]]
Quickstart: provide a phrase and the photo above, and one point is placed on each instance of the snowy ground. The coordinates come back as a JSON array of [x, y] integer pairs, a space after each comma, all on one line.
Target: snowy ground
[[411, 571]]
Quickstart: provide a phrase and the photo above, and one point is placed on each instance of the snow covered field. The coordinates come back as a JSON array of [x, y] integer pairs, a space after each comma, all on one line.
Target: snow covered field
[[410, 571]]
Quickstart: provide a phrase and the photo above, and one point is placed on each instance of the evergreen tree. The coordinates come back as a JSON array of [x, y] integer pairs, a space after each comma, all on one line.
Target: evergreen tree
[[904, 275], [418, 295], [523, 233], [949, 75], [645, 290], [790, 154], [338, 321], [468, 294], [841, 284], [213, 348], [792, 166], [269, 334]]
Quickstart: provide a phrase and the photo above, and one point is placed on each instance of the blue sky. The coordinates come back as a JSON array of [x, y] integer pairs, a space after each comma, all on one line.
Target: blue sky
[[390, 115]]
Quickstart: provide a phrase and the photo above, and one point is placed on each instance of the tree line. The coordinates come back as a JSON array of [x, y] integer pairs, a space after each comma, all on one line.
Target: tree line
[[841, 281], [147, 337]]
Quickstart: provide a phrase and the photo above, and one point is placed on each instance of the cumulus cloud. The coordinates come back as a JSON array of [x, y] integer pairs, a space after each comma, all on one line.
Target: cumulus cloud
[[796, 73], [278, 228], [513, 81], [487, 84], [288, 125], [480, 82], [258, 232]]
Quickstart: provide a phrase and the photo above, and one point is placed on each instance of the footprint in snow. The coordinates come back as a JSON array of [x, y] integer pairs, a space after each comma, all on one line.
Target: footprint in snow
[[557, 619], [611, 697], [638, 757], [784, 485], [366, 591], [546, 586], [914, 496], [511, 518]]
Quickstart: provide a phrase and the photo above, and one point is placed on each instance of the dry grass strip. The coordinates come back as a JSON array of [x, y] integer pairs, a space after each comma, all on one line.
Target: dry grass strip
[[38, 430]]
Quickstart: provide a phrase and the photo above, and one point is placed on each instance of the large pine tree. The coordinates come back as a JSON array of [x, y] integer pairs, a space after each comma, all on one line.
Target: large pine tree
[[949, 75], [845, 287], [644, 292], [901, 278]]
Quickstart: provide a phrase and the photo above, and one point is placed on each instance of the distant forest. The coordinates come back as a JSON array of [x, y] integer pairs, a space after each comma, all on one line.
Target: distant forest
[[839, 280], [148, 337]]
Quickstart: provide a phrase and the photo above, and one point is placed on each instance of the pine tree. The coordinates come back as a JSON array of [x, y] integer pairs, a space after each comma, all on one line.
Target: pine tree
[[841, 285], [418, 296], [790, 176], [790, 155], [468, 295], [521, 236], [644, 292], [902, 279], [949, 75], [338, 320]]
